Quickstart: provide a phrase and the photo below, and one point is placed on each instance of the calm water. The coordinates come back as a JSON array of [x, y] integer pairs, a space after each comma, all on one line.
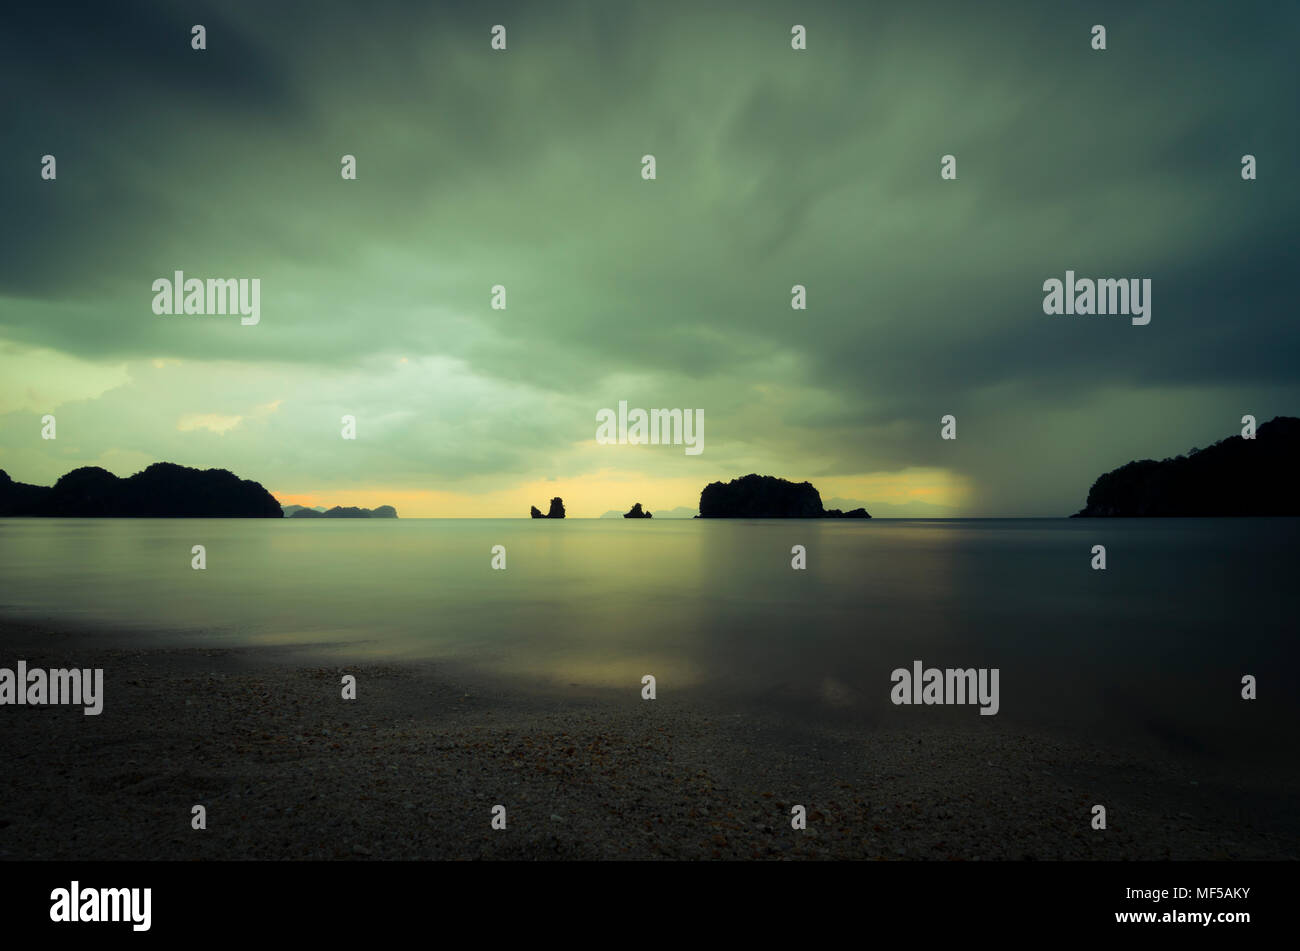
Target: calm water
[[1153, 648]]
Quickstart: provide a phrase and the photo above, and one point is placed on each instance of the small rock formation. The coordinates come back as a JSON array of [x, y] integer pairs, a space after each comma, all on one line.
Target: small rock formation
[[637, 513], [557, 509], [1235, 476], [755, 496]]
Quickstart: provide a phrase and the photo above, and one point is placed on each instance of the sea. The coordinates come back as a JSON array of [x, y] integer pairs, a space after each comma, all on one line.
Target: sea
[[1151, 648]]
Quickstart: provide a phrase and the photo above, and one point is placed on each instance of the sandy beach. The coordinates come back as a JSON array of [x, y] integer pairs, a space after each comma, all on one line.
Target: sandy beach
[[412, 768]]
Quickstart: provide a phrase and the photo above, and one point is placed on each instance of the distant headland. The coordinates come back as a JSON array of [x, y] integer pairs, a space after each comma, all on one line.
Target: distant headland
[[339, 511], [1236, 476], [756, 496], [164, 490]]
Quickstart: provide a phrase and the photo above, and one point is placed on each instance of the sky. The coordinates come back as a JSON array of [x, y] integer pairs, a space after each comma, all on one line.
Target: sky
[[523, 168]]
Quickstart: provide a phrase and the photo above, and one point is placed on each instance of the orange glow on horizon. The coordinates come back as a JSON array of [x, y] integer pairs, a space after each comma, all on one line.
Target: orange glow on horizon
[[592, 495]]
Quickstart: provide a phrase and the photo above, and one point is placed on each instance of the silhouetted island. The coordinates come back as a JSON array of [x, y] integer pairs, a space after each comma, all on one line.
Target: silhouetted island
[[756, 496], [1235, 476], [351, 511], [637, 513], [291, 510], [164, 490], [557, 509]]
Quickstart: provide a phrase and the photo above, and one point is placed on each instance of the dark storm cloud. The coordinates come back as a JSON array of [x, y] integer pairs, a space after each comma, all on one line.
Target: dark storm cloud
[[775, 168], [110, 89]]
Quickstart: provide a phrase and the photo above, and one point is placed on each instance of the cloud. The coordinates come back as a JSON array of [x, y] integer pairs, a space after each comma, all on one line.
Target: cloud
[[522, 169], [213, 422], [40, 380]]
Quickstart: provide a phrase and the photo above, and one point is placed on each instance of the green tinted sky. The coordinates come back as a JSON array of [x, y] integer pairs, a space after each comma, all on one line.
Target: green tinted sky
[[522, 168]]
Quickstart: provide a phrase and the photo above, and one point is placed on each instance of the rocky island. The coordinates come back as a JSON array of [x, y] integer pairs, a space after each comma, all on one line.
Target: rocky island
[[556, 511], [1235, 476], [163, 490], [637, 513], [756, 496], [291, 510]]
